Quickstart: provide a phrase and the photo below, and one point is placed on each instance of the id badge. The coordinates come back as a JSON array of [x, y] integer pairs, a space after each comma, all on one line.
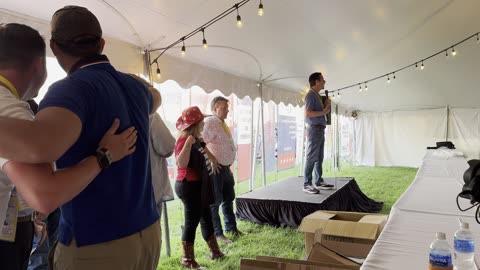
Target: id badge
[[22, 204], [9, 226]]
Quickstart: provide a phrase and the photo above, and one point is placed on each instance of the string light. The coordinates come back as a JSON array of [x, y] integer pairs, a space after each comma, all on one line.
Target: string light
[[184, 50], [260, 9], [205, 45], [158, 70], [366, 86], [202, 28], [418, 64], [339, 94], [239, 19]]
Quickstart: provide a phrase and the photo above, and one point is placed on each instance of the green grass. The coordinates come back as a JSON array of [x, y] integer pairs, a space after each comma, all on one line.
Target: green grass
[[379, 183]]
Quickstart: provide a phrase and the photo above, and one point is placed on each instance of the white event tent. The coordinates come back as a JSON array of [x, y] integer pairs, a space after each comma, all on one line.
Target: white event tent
[[351, 42]]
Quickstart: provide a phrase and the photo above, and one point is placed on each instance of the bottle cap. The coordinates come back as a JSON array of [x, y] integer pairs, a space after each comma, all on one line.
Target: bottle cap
[[441, 236]]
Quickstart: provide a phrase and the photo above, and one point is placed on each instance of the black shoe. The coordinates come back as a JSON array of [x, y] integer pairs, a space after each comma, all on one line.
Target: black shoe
[[324, 185], [310, 189]]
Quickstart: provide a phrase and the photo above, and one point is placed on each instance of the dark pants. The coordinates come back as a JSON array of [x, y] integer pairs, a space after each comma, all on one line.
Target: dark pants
[[223, 184], [39, 258], [194, 210], [314, 159], [14, 256]]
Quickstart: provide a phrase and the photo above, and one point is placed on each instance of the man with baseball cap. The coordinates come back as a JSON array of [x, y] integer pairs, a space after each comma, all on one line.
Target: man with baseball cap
[[113, 222]]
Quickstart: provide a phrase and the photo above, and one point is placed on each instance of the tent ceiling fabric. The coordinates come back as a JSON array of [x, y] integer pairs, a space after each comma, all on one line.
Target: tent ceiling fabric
[[349, 41]]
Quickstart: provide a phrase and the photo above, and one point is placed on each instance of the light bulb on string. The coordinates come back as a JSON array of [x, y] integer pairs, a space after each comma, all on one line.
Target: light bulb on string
[[204, 41], [366, 86], [416, 65], [239, 19], [478, 39], [453, 51], [184, 50], [338, 95], [422, 67], [158, 70], [394, 77], [360, 89], [446, 53], [260, 9], [388, 78]]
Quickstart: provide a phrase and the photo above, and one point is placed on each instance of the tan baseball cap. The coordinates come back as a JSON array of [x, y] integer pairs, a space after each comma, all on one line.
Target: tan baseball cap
[[73, 23]]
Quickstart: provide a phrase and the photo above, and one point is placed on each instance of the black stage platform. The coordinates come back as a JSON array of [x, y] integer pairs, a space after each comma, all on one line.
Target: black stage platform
[[285, 204]]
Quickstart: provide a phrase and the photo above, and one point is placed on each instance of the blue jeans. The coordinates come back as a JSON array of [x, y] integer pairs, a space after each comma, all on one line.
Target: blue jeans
[[223, 184], [39, 258], [314, 159]]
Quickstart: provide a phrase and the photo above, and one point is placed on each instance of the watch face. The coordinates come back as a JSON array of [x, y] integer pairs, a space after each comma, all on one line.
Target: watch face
[[103, 157]]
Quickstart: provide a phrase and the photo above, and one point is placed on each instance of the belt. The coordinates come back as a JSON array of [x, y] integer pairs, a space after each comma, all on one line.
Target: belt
[[25, 218]]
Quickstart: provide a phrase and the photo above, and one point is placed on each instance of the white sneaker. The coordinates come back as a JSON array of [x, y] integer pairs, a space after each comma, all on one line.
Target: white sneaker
[[310, 189], [324, 185]]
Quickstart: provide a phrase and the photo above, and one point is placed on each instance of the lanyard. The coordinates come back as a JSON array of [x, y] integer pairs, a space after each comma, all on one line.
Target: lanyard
[[227, 130], [321, 102], [9, 86], [318, 97]]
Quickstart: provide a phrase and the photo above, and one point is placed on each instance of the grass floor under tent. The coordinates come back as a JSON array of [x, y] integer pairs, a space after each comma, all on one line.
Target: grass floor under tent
[[379, 183]]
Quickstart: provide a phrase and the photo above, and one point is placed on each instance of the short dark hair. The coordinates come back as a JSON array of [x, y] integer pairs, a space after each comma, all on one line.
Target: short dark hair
[[314, 77], [216, 100], [19, 45]]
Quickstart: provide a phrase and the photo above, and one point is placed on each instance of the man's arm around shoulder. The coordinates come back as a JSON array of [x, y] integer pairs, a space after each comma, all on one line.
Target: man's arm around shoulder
[[43, 140]]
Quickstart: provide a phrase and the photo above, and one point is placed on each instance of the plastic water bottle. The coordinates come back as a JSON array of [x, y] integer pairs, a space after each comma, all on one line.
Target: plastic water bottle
[[464, 247], [440, 254]]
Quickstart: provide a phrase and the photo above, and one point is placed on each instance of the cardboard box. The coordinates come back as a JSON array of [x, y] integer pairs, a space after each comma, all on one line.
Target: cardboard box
[[320, 253], [247, 264], [331, 263], [351, 234]]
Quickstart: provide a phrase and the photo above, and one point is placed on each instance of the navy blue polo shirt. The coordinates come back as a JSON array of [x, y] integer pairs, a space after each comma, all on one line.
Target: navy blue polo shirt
[[119, 201], [313, 103]]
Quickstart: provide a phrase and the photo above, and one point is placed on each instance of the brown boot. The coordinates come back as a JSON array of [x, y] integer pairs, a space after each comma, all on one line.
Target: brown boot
[[188, 260], [215, 252]]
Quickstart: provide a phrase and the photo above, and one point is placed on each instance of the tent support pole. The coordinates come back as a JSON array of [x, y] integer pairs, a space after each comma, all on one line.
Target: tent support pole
[[448, 122], [264, 177], [147, 71], [254, 147], [337, 140]]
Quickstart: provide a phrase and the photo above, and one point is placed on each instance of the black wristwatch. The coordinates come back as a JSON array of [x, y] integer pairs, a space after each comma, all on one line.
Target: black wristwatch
[[103, 157]]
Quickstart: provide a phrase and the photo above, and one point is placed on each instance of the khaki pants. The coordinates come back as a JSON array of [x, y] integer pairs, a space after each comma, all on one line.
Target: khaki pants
[[139, 251]]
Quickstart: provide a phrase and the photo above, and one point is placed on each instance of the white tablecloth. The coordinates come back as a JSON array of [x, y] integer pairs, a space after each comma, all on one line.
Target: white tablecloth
[[426, 207], [405, 240]]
